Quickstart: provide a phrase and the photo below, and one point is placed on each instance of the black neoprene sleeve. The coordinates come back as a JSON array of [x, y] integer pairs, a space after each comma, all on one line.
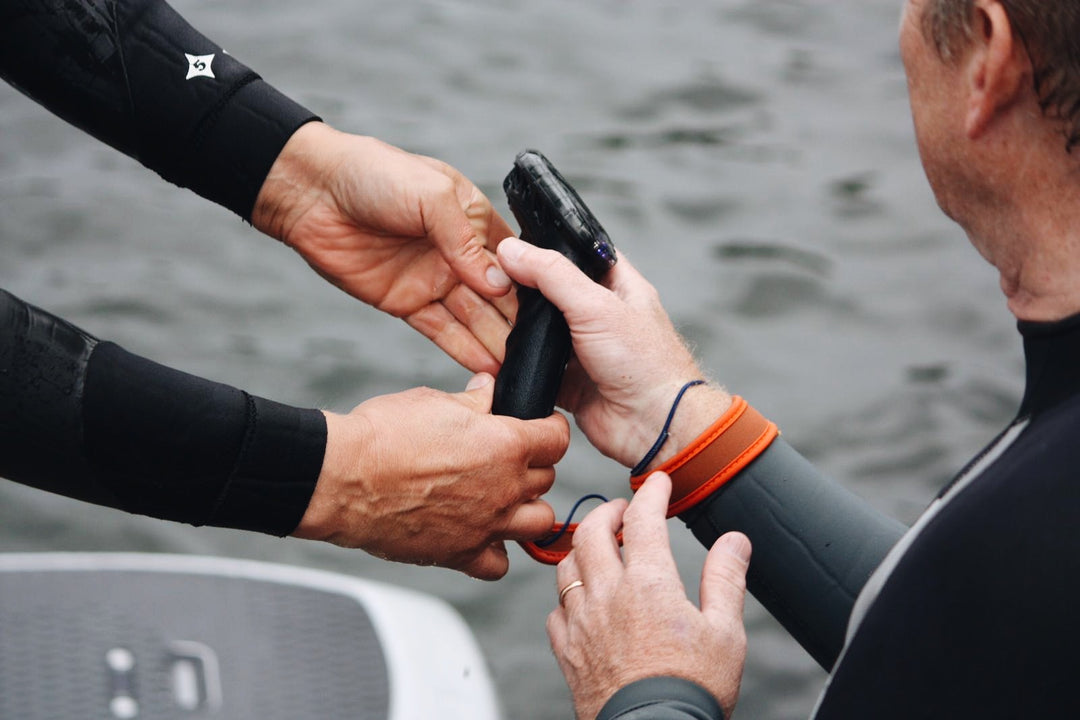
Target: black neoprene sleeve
[[136, 75], [815, 543], [91, 421]]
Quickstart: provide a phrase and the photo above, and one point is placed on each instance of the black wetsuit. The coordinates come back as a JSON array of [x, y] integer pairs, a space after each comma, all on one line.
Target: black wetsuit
[[136, 75], [85, 418], [973, 614]]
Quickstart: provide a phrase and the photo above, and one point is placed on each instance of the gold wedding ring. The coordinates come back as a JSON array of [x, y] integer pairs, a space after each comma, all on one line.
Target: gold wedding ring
[[568, 588]]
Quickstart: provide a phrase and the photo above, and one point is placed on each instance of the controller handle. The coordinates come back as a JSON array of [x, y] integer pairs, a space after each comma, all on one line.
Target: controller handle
[[552, 216]]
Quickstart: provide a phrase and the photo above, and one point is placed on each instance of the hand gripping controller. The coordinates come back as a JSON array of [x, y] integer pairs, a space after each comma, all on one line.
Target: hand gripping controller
[[552, 216]]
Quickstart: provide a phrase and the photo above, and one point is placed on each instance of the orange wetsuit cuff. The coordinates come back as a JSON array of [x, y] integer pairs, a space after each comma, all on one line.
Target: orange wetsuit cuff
[[716, 456]]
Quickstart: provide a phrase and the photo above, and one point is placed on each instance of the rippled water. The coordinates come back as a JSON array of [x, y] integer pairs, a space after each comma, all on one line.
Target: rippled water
[[754, 158]]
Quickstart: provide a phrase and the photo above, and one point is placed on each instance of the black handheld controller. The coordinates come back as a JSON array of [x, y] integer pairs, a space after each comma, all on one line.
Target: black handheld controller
[[551, 216]]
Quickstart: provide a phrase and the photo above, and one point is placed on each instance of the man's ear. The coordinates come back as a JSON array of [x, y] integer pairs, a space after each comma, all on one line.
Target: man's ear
[[998, 67]]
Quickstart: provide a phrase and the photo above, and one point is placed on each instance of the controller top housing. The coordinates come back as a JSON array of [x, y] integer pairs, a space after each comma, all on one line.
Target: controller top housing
[[553, 216]]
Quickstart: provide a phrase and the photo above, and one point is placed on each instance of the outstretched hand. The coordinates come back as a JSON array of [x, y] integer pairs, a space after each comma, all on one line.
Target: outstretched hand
[[629, 619], [405, 233], [431, 478]]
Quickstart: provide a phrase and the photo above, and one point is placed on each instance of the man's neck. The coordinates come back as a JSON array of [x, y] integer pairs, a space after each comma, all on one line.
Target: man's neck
[[1040, 276], [1028, 227]]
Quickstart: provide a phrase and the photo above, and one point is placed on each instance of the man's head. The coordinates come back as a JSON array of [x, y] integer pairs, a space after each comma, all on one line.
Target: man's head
[[980, 102], [1049, 30], [995, 97]]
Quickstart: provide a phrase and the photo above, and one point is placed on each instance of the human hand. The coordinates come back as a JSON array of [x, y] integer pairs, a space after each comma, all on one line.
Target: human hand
[[429, 478], [631, 620], [405, 233], [629, 361]]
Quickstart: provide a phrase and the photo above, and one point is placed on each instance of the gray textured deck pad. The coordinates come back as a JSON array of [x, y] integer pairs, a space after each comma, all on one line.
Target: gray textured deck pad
[[282, 651]]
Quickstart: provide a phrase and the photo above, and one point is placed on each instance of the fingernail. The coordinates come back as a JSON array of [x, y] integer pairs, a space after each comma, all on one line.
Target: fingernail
[[511, 248], [478, 380], [737, 544], [496, 277]]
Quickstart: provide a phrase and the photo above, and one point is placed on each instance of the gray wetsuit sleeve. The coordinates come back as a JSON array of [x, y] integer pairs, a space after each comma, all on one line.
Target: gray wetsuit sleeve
[[661, 698], [815, 543]]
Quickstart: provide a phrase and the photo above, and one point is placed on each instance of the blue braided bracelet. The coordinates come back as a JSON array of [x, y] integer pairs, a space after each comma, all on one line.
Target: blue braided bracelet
[[640, 467]]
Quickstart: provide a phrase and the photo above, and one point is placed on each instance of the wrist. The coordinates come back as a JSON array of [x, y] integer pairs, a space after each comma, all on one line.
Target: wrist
[[329, 515], [727, 447], [293, 184], [699, 408]]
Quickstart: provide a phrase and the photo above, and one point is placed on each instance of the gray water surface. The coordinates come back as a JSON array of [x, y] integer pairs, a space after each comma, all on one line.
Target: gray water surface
[[754, 159]]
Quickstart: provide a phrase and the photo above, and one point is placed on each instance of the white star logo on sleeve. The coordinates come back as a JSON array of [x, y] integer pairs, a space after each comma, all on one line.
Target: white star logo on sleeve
[[199, 66]]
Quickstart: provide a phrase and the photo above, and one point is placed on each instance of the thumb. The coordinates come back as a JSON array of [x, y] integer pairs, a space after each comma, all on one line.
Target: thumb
[[479, 392], [557, 279], [723, 579], [491, 564]]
